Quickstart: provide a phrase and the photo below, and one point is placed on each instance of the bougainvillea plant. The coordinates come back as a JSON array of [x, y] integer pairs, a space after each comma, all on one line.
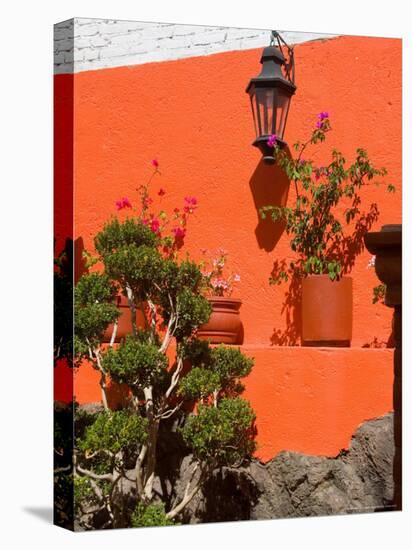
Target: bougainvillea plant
[[188, 392], [326, 222], [216, 279], [170, 228]]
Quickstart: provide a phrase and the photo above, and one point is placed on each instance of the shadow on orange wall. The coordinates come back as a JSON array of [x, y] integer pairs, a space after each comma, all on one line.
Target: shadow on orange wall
[[270, 186], [291, 309]]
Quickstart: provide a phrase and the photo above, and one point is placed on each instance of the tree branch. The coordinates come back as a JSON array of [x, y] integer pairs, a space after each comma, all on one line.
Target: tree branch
[[188, 494], [92, 475], [114, 332]]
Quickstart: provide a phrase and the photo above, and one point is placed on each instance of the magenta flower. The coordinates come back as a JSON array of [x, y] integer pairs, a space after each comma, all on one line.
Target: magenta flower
[[179, 232], [272, 140], [323, 115], [155, 163], [161, 192], [123, 203], [146, 202], [191, 201], [155, 225], [191, 204]]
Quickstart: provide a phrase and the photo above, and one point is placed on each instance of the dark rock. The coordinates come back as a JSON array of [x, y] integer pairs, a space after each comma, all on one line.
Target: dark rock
[[295, 485]]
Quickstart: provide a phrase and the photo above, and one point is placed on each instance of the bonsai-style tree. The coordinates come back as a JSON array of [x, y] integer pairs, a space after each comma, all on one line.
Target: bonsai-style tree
[[187, 390], [325, 222]]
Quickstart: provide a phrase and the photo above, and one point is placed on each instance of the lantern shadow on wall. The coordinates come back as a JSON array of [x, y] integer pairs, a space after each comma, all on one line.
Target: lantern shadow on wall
[[269, 185]]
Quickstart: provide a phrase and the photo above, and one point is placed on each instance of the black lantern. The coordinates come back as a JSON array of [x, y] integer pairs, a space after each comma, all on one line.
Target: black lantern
[[270, 93]]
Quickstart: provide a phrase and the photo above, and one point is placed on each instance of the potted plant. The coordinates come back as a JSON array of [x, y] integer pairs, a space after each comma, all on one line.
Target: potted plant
[[224, 325], [170, 232], [326, 225]]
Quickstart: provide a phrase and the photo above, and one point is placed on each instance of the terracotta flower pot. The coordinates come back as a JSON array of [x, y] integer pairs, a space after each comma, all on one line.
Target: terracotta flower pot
[[224, 325], [124, 322], [326, 311]]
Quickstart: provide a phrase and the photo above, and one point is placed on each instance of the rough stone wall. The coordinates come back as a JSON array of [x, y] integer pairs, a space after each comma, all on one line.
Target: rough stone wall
[[359, 480], [88, 44]]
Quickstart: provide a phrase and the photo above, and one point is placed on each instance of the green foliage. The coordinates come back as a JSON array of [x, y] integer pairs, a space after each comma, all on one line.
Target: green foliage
[[139, 267], [198, 352], [114, 432], [94, 310], [117, 235], [214, 369], [83, 492], [136, 362], [90, 322], [151, 515], [229, 363], [320, 239], [199, 383], [222, 435], [94, 288], [193, 310]]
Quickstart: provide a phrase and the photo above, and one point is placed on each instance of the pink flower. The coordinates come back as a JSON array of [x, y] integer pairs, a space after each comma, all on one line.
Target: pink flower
[[147, 201], [155, 225], [155, 163], [323, 115], [161, 192], [220, 284], [179, 232], [236, 278], [272, 140], [176, 210], [123, 203], [191, 204]]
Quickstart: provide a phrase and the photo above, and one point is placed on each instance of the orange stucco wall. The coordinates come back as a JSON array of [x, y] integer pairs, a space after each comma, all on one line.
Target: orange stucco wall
[[194, 117]]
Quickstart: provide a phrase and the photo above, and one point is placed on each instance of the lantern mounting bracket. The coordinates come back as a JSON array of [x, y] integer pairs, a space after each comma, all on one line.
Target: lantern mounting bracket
[[289, 66]]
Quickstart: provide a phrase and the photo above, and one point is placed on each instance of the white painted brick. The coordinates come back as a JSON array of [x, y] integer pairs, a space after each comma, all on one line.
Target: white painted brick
[[107, 53], [77, 55], [100, 43], [86, 30], [207, 38], [120, 27], [158, 31], [126, 39], [97, 41], [61, 34], [64, 45], [58, 58], [90, 54]]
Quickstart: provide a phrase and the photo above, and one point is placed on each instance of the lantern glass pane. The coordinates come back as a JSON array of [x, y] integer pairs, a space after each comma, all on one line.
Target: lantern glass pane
[[255, 120], [265, 111], [281, 111]]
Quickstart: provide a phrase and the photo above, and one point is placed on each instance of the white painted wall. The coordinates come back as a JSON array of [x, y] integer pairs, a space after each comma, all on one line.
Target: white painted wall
[[89, 44]]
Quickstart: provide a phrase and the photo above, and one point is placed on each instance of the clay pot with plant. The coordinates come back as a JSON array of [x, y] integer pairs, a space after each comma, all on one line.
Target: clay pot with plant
[[326, 225], [224, 325], [170, 230]]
